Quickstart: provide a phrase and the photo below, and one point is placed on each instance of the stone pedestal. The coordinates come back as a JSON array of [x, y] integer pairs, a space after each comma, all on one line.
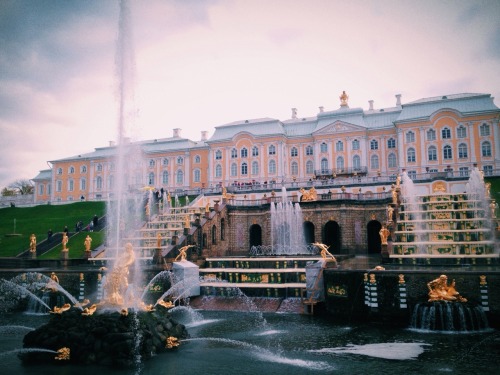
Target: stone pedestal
[[189, 274], [65, 254]]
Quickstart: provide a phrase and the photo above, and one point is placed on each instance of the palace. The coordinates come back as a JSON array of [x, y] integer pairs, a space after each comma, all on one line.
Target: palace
[[438, 137]]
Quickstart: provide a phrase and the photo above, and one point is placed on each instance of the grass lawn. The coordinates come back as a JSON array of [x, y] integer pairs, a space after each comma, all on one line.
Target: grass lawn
[[17, 224], [76, 246]]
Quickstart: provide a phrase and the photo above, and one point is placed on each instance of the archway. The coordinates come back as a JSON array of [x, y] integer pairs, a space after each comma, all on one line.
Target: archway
[[331, 236], [309, 232], [255, 235], [374, 242]]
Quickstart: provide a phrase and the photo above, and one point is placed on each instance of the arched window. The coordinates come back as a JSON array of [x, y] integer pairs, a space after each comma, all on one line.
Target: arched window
[[180, 177], [294, 152], [410, 137], [374, 162], [151, 179], [484, 130], [410, 155], [59, 170], [234, 170], [196, 175], [222, 229], [151, 163], [180, 160], [255, 168], [462, 151], [255, 151], [391, 143], [71, 185], [272, 150], [244, 152], [59, 185], [197, 159], [486, 149], [165, 161], [324, 165], [164, 178], [71, 170], [447, 152], [99, 167], [309, 167], [356, 162], [431, 135], [461, 132], [355, 144], [340, 162], [83, 169], [339, 146], [234, 153], [294, 168], [323, 147], [218, 171], [214, 235], [83, 184], [272, 167], [218, 155], [373, 144], [309, 151], [432, 153], [392, 161], [244, 169], [98, 183], [446, 133]]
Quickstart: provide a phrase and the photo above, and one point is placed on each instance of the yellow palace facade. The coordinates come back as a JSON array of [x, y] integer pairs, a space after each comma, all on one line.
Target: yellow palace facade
[[438, 136]]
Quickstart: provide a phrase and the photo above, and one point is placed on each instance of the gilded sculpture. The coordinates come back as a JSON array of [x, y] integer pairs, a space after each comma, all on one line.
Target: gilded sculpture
[[310, 195], [117, 281], [183, 253], [87, 243], [32, 243], [325, 254], [439, 290], [384, 234]]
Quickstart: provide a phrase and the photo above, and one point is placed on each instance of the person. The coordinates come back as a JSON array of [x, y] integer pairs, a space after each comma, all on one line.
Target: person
[[87, 243], [384, 234], [33, 243], [66, 229], [49, 235], [95, 220]]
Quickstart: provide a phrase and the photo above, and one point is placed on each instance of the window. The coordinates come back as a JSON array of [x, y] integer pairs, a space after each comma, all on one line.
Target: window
[[58, 186], [410, 137], [164, 178], [391, 143], [83, 169], [309, 151], [99, 167], [83, 184], [255, 151], [244, 152], [165, 161], [432, 153], [180, 160], [433, 170], [355, 144], [111, 182], [151, 179], [410, 155], [339, 146], [294, 169], [392, 161], [294, 152], [309, 167], [323, 147], [446, 133], [180, 177], [412, 174], [373, 144], [244, 169], [151, 163], [218, 155], [272, 167], [464, 171], [255, 168], [461, 132], [356, 162], [324, 165], [447, 153], [462, 151], [40, 189], [59, 170], [340, 162], [218, 171], [98, 183], [272, 150], [196, 175], [71, 170], [488, 170], [374, 162], [214, 235], [431, 135], [234, 153], [197, 159], [486, 149], [484, 130], [234, 170]]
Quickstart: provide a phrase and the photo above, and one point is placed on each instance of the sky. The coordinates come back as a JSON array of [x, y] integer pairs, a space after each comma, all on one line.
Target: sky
[[199, 64]]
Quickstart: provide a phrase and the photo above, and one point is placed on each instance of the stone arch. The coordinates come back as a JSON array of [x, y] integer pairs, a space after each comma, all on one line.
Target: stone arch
[[332, 237], [308, 228], [373, 237], [255, 235]]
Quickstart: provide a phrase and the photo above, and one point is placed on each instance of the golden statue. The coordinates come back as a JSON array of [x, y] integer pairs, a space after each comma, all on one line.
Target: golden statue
[[325, 254], [158, 240], [52, 284], [165, 304], [117, 282], [33, 243], [439, 290], [172, 342], [390, 211], [394, 196], [148, 308], [224, 192], [63, 354], [64, 242], [60, 310], [89, 310], [343, 99], [493, 209], [310, 195], [384, 234], [207, 207], [148, 209], [87, 243], [182, 253], [187, 222]]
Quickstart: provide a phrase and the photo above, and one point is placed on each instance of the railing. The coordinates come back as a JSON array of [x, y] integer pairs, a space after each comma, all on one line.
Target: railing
[[341, 171]]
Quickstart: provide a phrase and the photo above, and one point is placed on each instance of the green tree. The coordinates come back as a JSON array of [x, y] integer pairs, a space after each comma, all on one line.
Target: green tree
[[22, 186]]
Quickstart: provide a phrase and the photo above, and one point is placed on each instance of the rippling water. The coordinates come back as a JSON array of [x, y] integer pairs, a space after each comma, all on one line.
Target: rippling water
[[254, 343]]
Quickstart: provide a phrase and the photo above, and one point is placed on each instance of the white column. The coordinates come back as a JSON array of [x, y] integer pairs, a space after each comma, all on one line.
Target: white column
[[364, 146], [496, 140], [422, 150], [401, 150]]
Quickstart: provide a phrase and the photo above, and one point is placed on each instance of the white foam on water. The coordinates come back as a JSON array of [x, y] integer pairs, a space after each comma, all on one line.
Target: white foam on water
[[270, 332], [202, 322], [390, 350]]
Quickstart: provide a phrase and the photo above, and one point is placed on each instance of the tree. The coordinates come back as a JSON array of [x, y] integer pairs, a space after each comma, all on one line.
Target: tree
[[22, 186], [8, 192]]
